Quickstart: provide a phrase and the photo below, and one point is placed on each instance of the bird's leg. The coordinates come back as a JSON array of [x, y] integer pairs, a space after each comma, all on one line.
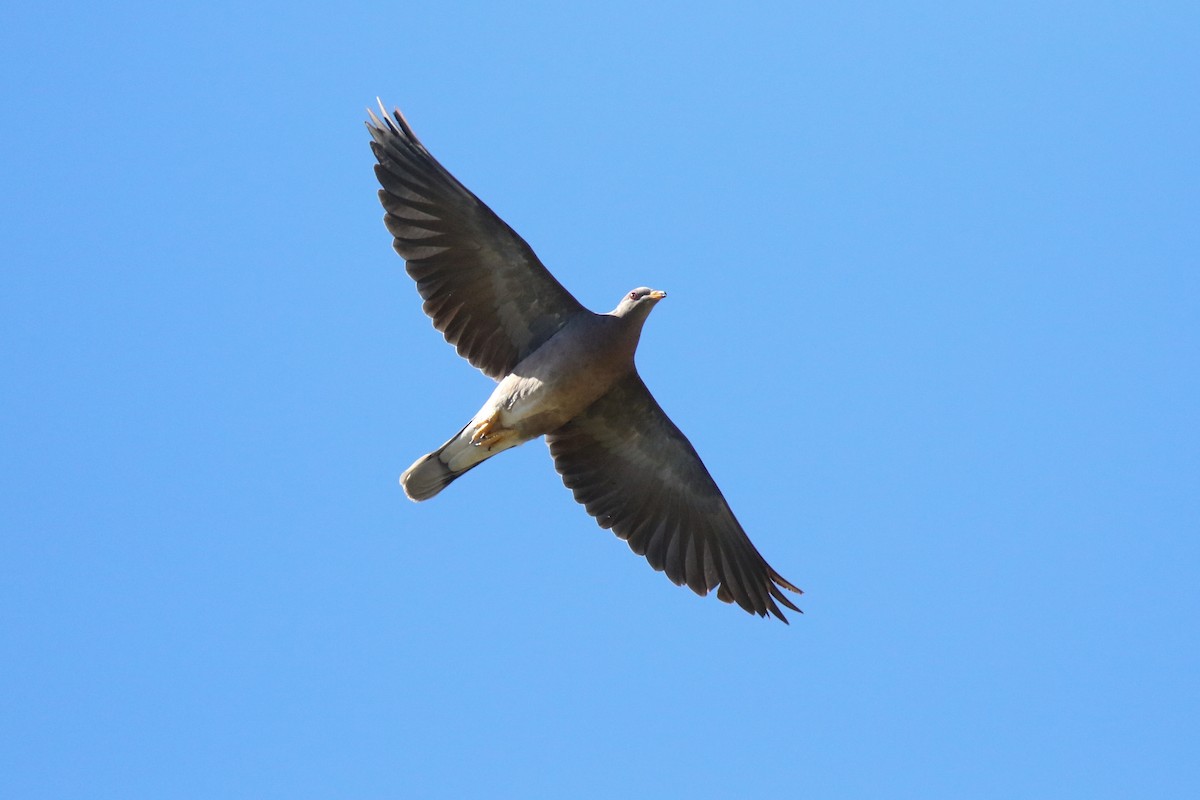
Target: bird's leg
[[484, 432], [481, 430]]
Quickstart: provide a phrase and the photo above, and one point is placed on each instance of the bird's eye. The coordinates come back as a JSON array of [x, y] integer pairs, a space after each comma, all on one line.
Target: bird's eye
[[633, 295]]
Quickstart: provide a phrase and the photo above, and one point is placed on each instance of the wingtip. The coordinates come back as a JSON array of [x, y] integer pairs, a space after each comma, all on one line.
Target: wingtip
[[785, 583], [384, 119], [394, 123]]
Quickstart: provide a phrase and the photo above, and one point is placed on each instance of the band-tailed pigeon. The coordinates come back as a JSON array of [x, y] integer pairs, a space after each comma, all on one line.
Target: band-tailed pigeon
[[563, 372]]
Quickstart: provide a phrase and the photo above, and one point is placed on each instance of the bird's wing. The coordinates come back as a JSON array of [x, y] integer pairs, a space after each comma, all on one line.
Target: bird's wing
[[637, 474], [482, 285]]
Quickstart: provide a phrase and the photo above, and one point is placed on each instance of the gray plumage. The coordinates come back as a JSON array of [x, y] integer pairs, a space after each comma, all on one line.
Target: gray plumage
[[563, 372]]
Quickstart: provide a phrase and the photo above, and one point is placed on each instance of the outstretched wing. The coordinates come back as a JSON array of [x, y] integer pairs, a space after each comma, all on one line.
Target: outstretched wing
[[637, 474], [482, 285]]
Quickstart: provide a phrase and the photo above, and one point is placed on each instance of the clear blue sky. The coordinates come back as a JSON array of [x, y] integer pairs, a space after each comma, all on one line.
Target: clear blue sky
[[934, 276]]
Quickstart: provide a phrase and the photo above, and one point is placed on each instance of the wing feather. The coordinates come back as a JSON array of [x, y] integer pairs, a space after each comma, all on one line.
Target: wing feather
[[636, 473], [482, 285]]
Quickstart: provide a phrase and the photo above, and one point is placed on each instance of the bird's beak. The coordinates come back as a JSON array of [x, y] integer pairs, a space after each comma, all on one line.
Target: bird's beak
[[657, 295]]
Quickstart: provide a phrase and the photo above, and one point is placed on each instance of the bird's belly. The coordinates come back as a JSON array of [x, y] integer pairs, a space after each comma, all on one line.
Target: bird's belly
[[560, 379], [535, 404]]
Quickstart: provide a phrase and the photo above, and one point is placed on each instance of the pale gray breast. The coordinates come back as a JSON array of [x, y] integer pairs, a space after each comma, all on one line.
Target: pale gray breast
[[568, 373]]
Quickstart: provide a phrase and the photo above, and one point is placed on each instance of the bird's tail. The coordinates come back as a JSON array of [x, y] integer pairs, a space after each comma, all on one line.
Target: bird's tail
[[434, 472], [427, 477]]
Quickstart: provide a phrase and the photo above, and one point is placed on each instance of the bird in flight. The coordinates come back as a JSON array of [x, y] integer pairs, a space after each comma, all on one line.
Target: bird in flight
[[563, 372]]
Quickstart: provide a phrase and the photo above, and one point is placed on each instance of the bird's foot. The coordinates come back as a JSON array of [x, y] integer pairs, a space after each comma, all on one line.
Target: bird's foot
[[485, 432]]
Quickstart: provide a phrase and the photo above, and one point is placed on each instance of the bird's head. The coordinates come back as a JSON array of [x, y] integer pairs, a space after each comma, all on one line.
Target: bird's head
[[639, 302]]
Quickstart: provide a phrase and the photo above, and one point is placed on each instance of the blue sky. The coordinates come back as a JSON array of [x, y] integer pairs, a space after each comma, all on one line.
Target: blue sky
[[934, 276]]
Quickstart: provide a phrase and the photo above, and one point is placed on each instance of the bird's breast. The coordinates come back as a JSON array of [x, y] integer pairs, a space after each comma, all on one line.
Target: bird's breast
[[559, 380]]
